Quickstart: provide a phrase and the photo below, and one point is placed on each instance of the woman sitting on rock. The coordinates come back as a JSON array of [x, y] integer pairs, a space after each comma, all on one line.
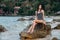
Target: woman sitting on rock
[[39, 18]]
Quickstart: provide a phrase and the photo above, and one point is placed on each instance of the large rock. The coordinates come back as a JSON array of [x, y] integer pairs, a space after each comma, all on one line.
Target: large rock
[[54, 38], [37, 34], [2, 29], [57, 20], [40, 31], [21, 19], [31, 18], [57, 27]]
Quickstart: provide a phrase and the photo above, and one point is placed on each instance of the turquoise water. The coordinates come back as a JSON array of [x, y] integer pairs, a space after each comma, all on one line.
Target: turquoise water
[[14, 27]]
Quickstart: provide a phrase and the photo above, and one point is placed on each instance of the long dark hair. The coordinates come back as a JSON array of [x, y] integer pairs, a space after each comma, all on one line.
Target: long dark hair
[[42, 7]]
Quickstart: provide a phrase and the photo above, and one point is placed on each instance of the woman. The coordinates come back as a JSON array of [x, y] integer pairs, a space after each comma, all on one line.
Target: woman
[[39, 18]]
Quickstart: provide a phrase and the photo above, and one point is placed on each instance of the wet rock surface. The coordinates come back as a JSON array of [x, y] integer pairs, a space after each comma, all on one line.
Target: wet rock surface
[[31, 19], [21, 19], [40, 31], [54, 38], [57, 27], [57, 20], [2, 29]]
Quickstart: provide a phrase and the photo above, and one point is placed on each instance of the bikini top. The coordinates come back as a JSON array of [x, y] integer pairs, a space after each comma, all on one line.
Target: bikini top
[[39, 16]]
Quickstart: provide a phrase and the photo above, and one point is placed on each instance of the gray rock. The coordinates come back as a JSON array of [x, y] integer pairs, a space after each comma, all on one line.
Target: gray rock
[[31, 19], [57, 20], [54, 38], [21, 19], [2, 29]]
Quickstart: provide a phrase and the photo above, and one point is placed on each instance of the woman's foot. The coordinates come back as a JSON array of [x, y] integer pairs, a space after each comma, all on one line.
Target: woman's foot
[[30, 32]]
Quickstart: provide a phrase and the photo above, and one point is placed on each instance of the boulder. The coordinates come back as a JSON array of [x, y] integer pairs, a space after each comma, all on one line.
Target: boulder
[[2, 29], [37, 34], [31, 18], [40, 31], [21, 19], [57, 20], [54, 38]]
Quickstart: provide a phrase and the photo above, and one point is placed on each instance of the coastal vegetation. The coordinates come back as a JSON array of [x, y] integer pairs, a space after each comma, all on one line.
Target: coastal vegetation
[[28, 7]]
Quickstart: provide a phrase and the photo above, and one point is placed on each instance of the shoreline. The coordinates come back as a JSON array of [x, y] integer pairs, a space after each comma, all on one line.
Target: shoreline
[[45, 16]]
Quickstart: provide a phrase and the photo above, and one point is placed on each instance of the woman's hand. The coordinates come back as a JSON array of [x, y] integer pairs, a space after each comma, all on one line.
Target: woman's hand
[[43, 14]]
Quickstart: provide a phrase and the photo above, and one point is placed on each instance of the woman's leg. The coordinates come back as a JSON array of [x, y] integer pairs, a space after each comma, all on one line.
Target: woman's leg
[[31, 29], [33, 26], [44, 22]]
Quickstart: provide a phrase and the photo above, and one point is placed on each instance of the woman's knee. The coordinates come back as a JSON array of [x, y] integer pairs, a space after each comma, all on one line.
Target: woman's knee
[[34, 23], [44, 22]]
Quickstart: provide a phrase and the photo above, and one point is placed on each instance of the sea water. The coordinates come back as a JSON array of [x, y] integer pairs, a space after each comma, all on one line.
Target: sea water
[[14, 27]]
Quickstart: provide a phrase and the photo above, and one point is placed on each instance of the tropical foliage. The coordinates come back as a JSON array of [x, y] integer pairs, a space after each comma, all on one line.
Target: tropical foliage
[[28, 7]]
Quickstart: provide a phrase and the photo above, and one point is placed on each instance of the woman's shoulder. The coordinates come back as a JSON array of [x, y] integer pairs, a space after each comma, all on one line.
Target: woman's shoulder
[[42, 10]]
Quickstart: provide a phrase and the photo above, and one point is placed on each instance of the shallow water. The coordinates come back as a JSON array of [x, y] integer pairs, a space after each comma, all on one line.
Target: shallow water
[[14, 27], [56, 33]]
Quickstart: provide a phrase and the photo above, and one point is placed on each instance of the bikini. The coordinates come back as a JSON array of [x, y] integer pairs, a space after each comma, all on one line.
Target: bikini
[[39, 16]]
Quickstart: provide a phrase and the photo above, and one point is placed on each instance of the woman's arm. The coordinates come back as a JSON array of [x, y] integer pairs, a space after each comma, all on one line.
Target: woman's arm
[[35, 15], [43, 14]]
